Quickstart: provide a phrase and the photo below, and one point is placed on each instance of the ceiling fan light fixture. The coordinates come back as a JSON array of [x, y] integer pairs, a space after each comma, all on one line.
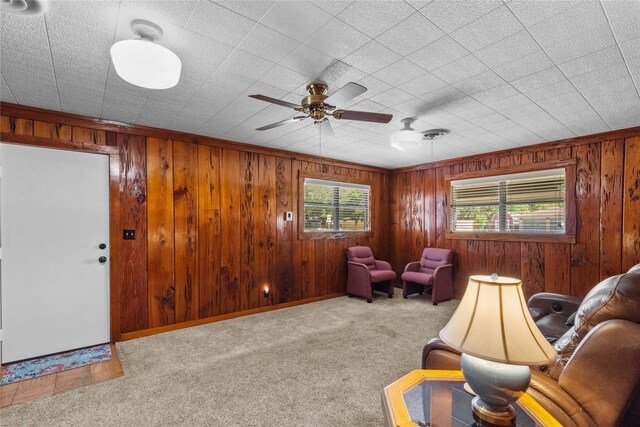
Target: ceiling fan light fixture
[[407, 139], [144, 63]]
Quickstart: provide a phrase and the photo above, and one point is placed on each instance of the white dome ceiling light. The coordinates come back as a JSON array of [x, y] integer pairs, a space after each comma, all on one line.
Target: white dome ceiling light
[[407, 139], [144, 63], [25, 7]]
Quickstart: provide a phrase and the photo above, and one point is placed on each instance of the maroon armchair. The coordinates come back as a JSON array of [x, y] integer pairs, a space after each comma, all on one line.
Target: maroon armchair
[[434, 269], [365, 274]]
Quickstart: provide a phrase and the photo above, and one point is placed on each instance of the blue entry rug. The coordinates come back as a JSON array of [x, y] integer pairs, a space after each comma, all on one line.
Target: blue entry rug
[[56, 363]]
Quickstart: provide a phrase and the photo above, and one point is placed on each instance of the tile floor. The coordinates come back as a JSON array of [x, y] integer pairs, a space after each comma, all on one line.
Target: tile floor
[[24, 391]]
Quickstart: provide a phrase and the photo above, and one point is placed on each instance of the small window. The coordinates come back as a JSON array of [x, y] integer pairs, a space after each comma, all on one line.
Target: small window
[[331, 206], [531, 203]]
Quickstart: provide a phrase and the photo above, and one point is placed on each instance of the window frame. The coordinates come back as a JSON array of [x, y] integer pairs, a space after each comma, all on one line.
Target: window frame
[[569, 236], [310, 235]]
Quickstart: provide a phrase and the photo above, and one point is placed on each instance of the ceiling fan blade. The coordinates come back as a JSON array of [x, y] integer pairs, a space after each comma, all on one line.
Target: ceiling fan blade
[[345, 94], [282, 122], [276, 101], [325, 128], [362, 116]]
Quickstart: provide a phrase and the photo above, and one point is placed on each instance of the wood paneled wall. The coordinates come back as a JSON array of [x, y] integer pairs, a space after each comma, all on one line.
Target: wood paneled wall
[[607, 215], [209, 217], [211, 231]]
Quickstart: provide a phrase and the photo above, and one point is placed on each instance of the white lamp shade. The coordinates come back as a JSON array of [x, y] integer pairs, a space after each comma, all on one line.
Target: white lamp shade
[[146, 64], [406, 140], [493, 322]]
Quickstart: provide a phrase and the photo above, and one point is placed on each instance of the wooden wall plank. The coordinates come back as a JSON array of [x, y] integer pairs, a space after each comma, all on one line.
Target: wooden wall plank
[[5, 124], [133, 215], [336, 258], [417, 207], [476, 258], [585, 253], [532, 157], [301, 248], [395, 226], [296, 244], [511, 263], [461, 267], [284, 234], [405, 249], [631, 219], [52, 130], [161, 232], [89, 136], [532, 268], [185, 206], [380, 211], [308, 268], [115, 247], [321, 252], [611, 196], [21, 126], [494, 257], [429, 208], [249, 288], [266, 227], [208, 231], [231, 186], [442, 197], [557, 271]]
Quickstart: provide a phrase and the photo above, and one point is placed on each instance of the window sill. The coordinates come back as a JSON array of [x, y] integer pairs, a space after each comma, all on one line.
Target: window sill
[[313, 235], [509, 237]]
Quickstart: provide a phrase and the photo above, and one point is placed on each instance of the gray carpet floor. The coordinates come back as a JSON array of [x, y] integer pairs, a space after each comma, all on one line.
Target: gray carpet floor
[[319, 364]]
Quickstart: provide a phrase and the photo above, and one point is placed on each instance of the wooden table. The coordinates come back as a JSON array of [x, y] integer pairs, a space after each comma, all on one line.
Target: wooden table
[[437, 398]]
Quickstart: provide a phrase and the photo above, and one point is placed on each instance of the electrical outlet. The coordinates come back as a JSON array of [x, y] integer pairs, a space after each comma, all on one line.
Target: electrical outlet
[[129, 234]]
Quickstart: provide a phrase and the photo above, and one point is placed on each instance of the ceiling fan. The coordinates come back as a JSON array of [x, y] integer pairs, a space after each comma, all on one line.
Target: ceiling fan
[[319, 106]]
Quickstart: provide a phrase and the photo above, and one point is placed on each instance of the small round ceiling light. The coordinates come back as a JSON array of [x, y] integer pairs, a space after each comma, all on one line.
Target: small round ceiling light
[[432, 134], [25, 7], [407, 139], [144, 63]]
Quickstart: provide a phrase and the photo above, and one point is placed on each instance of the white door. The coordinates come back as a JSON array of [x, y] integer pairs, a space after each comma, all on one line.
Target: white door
[[54, 214]]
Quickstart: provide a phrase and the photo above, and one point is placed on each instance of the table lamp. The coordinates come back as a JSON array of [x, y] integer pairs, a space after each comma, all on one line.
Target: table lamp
[[499, 340]]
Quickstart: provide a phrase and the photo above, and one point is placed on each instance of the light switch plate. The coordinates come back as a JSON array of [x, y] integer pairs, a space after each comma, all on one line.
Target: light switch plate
[[289, 216]]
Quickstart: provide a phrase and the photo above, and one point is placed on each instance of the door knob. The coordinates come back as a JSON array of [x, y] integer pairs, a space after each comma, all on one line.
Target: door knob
[[102, 259], [102, 246]]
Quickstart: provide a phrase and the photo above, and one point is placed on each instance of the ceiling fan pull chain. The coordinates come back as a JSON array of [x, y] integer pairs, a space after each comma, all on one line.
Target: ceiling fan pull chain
[[319, 124]]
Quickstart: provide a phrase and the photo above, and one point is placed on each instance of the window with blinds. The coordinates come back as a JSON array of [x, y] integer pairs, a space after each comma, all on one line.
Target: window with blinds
[[520, 203], [335, 206]]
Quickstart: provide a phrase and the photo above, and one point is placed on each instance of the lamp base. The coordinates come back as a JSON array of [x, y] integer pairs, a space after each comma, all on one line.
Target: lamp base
[[485, 415], [497, 386]]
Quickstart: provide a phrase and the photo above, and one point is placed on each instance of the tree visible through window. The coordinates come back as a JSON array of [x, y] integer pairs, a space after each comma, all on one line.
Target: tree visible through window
[[520, 203], [335, 206]]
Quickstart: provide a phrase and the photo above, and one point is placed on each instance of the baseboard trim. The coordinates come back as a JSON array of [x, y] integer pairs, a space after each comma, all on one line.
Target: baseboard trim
[[160, 329]]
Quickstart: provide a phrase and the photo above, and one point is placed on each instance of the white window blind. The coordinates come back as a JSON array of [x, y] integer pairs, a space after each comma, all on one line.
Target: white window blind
[[335, 206], [522, 203]]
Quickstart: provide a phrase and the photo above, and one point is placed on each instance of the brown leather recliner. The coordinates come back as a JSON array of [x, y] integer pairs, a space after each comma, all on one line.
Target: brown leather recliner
[[554, 314], [595, 379]]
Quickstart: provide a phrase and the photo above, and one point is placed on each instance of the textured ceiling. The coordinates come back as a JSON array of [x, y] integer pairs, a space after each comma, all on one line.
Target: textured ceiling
[[498, 74]]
